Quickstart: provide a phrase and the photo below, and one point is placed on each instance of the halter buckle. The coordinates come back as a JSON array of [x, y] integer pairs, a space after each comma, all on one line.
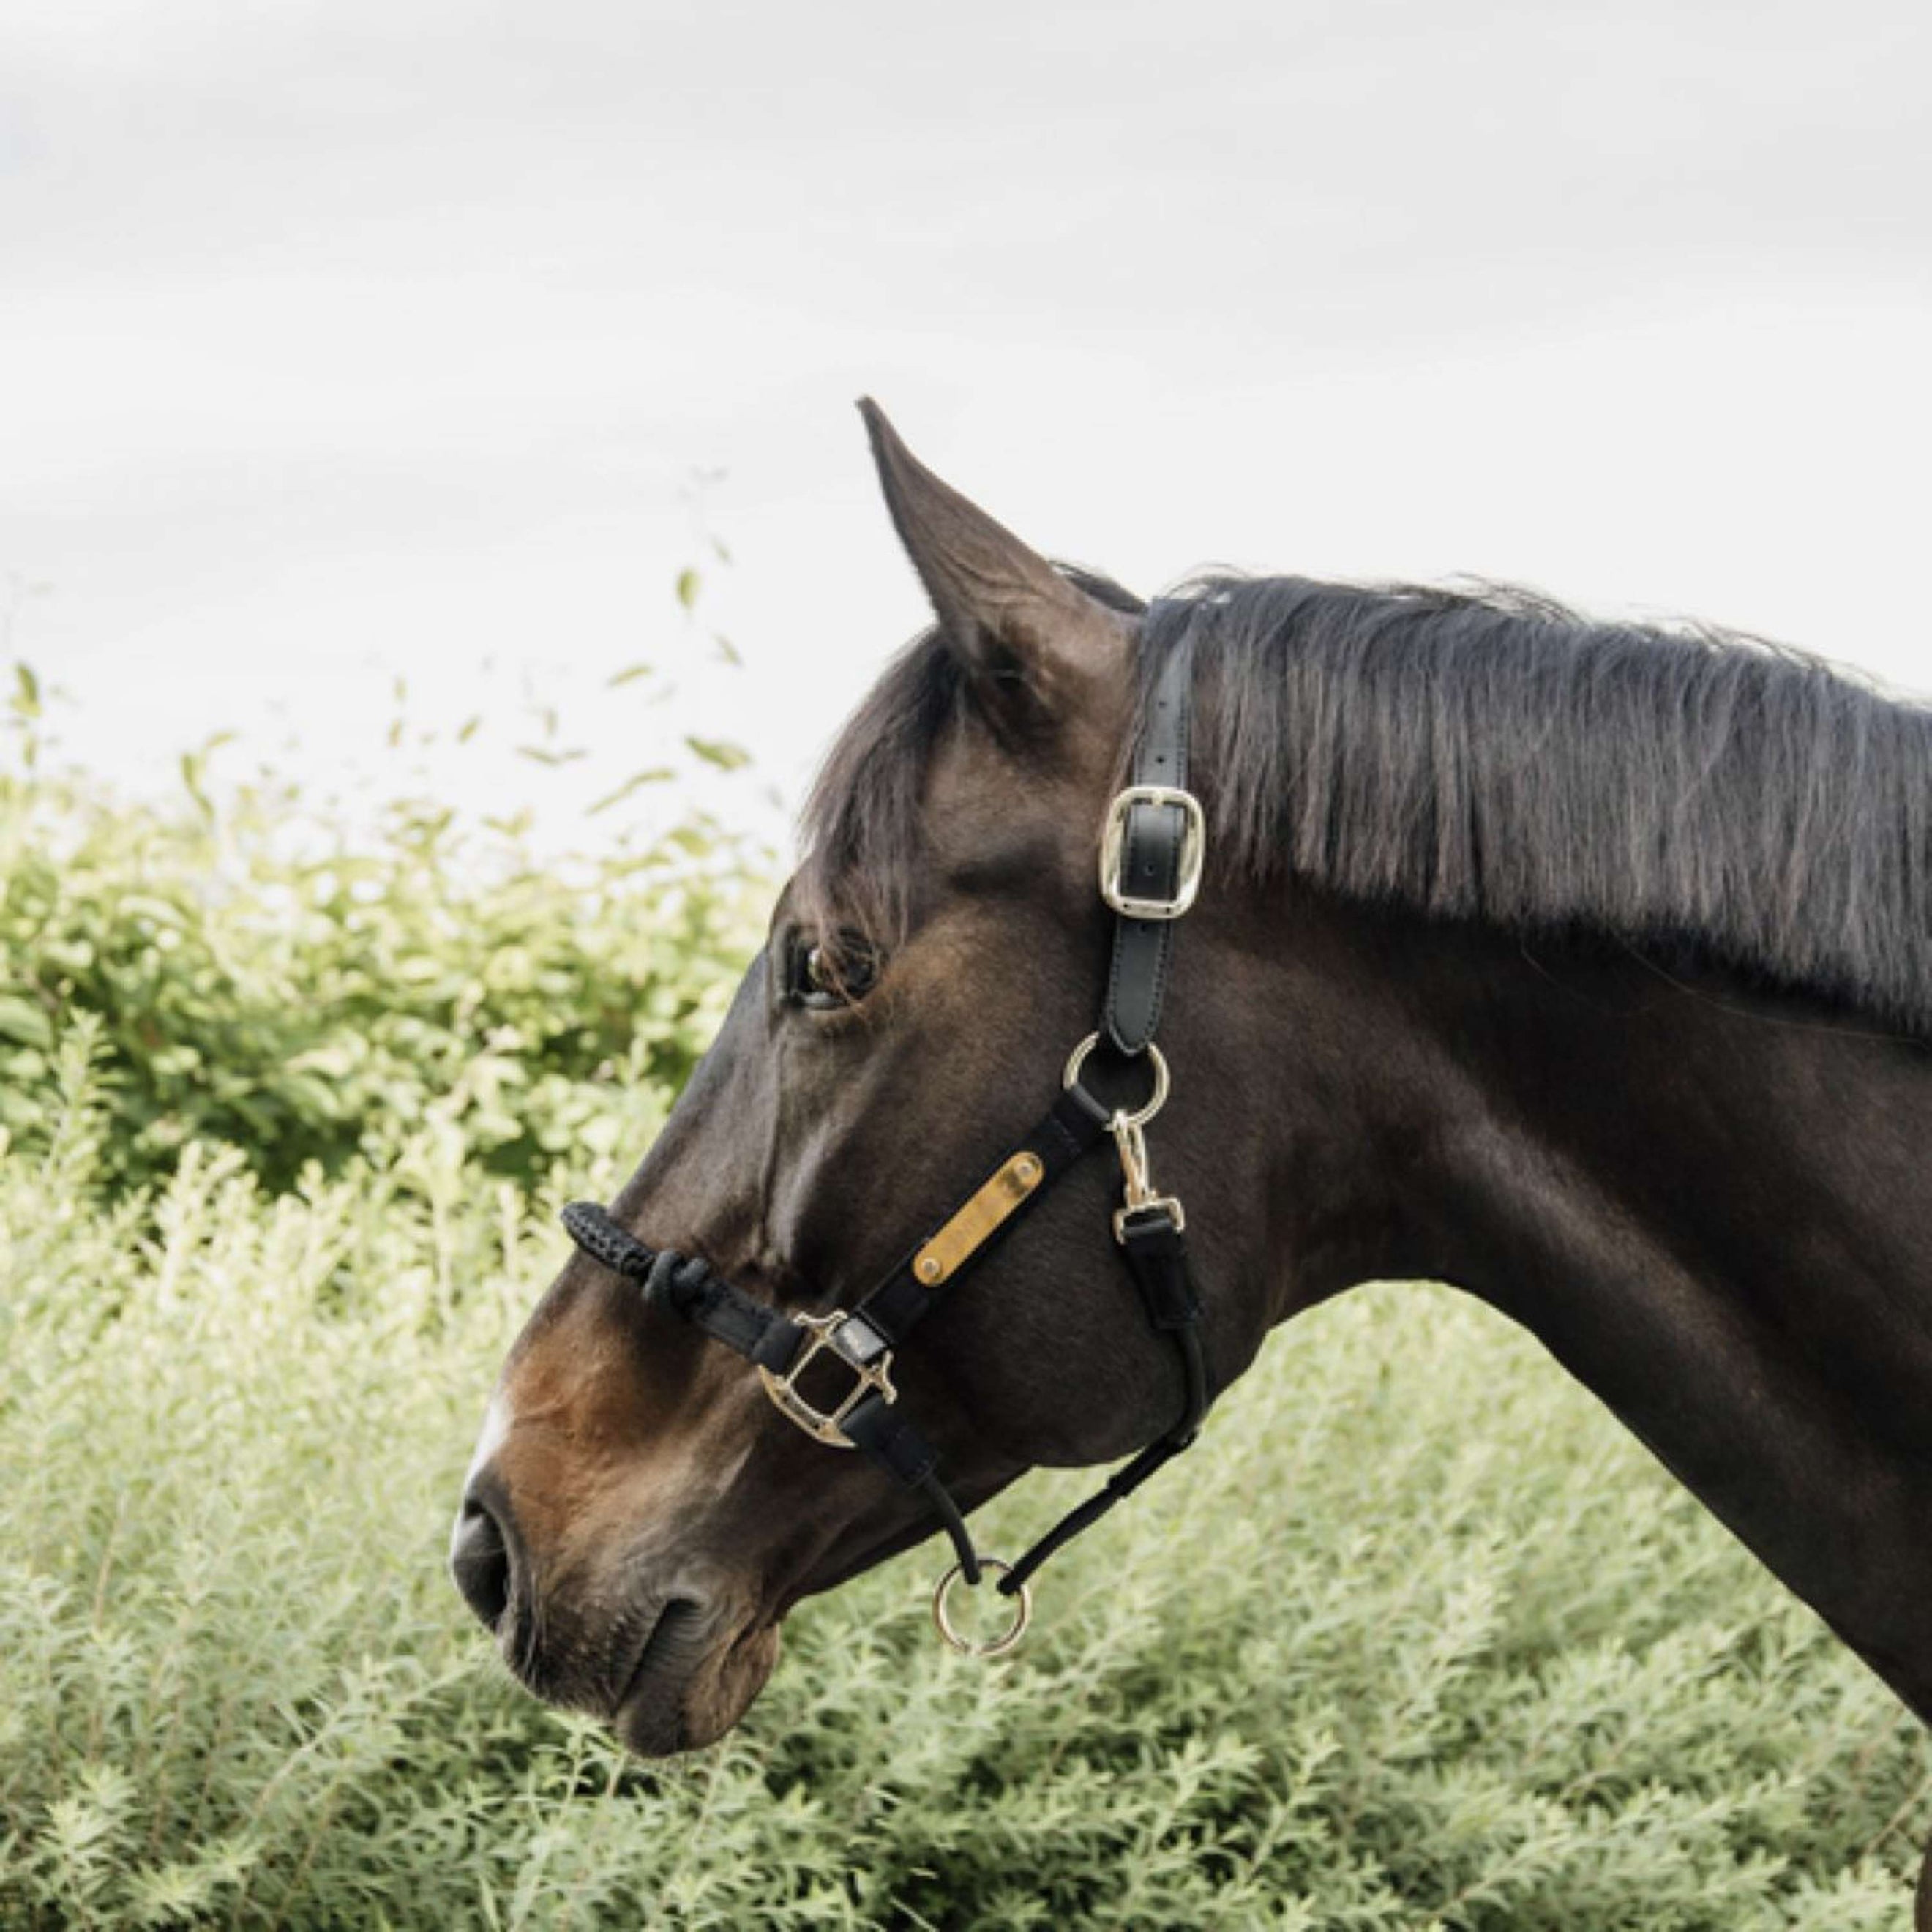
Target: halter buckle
[[1113, 849], [858, 1347]]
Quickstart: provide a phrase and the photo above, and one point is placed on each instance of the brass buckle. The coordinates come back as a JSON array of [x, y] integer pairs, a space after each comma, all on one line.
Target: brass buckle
[[873, 1374], [1113, 843]]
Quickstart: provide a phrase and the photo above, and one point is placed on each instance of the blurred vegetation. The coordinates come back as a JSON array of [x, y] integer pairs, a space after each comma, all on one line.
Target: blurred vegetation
[[1419, 1639], [266, 979]]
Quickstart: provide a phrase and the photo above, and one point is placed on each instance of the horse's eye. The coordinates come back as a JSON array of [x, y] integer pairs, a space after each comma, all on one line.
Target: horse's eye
[[825, 976]]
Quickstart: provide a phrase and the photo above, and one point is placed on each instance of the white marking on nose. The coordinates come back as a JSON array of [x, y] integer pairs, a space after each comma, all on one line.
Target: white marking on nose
[[496, 1420]]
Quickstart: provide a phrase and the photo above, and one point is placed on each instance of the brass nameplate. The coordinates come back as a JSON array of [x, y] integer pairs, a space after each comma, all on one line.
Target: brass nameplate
[[993, 1202]]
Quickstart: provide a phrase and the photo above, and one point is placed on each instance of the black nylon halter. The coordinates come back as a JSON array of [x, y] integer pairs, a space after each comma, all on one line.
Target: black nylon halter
[[1151, 851]]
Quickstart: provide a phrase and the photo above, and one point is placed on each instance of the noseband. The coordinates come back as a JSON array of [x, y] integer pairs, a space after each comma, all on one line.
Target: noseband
[[1153, 843]]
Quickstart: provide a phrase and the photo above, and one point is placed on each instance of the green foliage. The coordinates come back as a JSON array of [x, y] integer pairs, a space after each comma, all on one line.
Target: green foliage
[[1417, 1639], [1431, 1644], [264, 982]]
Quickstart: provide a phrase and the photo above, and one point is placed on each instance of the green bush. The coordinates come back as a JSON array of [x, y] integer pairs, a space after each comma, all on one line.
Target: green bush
[[1389, 1667], [1419, 1638], [265, 981]]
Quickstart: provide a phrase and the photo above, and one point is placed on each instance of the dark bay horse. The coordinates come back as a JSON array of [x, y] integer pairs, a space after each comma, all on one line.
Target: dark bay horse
[[1589, 968]]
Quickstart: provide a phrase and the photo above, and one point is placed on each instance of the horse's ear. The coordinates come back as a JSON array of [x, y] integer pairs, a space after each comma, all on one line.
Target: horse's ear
[[1027, 635]]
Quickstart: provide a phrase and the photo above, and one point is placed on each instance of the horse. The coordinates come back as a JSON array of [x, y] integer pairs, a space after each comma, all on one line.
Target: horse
[[1587, 966]]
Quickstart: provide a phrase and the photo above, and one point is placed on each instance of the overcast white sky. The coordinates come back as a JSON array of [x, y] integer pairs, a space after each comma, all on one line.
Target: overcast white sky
[[344, 341]]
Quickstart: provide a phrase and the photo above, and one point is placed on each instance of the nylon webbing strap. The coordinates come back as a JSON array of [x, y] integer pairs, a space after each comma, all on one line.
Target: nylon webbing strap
[[901, 1301], [1153, 856]]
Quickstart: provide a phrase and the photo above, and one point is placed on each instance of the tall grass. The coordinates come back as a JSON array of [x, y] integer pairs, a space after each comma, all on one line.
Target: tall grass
[[1418, 1639]]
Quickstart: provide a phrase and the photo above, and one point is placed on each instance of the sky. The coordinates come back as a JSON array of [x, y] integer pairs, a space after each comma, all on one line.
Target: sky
[[348, 343]]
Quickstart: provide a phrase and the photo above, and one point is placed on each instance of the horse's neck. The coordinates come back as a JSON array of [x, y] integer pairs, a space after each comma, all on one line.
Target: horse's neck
[[1716, 1211]]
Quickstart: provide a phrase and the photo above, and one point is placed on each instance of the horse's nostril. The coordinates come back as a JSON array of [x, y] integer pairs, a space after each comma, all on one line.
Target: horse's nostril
[[479, 1560]]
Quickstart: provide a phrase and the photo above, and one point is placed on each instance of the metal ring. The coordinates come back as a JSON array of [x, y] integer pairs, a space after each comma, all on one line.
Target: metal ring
[[1157, 1100], [998, 1646]]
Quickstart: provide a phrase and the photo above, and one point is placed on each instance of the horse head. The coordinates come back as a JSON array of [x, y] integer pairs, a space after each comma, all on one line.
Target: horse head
[[639, 1515]]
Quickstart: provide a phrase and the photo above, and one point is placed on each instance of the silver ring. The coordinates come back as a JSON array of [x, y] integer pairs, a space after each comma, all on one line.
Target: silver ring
[[1157, 1100], [1022, 1600]]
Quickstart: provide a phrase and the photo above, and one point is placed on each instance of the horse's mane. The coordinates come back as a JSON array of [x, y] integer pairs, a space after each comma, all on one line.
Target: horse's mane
[[1487, 754]]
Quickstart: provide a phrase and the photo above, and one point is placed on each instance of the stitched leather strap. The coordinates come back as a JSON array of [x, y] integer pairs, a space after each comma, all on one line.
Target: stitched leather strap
[[1152, 853], [765, 1337], [882, 1318]]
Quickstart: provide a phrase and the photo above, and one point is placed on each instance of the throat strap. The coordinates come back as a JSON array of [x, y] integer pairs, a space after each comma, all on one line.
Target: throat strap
[[1155, 1252]]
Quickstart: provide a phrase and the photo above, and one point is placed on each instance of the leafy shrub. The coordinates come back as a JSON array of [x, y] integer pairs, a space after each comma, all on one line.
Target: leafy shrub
[[1385, 1669], [1367, 1664], [263, 983]]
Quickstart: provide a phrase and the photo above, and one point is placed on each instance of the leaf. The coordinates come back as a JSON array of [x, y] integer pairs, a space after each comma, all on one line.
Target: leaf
[[193, 771], [542, 755], [721, 752], [22, 1020], [628, 675], [726, 651], [688, 585], [469, 729], [656, 775], [147, 905], [26, 691]]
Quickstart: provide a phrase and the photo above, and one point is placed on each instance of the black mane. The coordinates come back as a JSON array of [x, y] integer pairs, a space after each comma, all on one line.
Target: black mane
[[1492, 756]]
